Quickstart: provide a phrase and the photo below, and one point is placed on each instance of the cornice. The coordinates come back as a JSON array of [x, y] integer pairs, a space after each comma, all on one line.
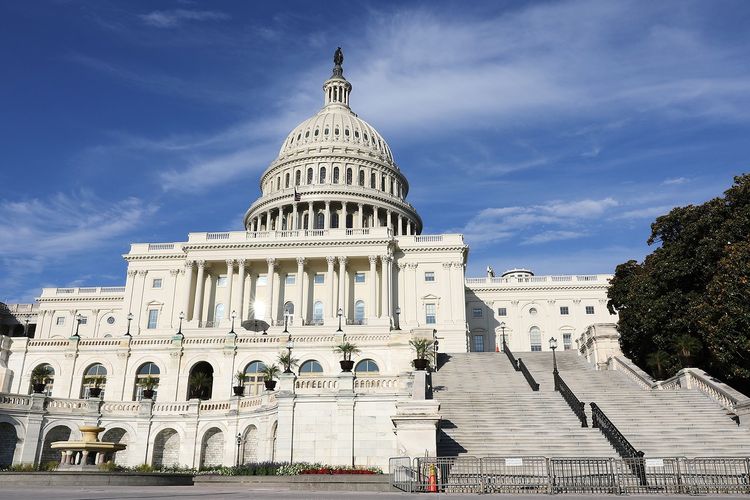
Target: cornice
[[511, 288], [81, 298], [286, 244], [128, 257]]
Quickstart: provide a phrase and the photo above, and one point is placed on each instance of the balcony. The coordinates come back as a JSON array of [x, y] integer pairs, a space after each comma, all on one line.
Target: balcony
[[554, 280], [83, 291]]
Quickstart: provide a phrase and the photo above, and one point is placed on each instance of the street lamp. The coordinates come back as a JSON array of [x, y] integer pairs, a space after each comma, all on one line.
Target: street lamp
[[502, 327], [286, 322], [130, 318], [79, 317], [289, 346], [398, 322], [340, 314], [239, 445], [555, 373], [179, 329], [234, 315]]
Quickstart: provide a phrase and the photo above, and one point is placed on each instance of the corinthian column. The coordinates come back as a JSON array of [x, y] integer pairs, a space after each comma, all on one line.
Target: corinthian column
[[373, 286], [240, 306], [300, 307], [343, 303], [270, 309], [198, 304], [329, 283], [230, 280]]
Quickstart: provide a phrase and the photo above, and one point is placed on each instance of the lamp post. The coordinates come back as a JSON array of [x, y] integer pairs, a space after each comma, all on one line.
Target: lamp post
[[130, 318], [340, 315], [398, 321], [239, 445], [234, 316], [179, 329], [286, 322], [79, 317], [502, 327], [555, 373], [289, 346]]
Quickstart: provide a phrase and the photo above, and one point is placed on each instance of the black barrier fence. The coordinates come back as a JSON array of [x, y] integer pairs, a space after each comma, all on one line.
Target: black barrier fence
[[604, 475]]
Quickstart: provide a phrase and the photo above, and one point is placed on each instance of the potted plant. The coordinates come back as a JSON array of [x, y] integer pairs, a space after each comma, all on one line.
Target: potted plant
[[39, 378], [423, 348], [148, 383], [200, 382], [269, 372], [98, 381], [240, 377], [346, 349], [287, 361]]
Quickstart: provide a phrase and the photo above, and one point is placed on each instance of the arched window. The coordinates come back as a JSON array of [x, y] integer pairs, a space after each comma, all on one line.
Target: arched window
[[305, 222], [43, 374], [366, 366], [335, 175], [297, 176], [94, 381], [201, 381], [286, 180], [382, 184], [335, 220], [317, 313], [218, 314], [319, 220], [289, 311], [322, 178], [362, 178], [309, 175], [146, 378], [317, 131], [254, 378], [278, 183], [535, 336], [310, 367], [359, 312], [349, 176], [373, 180]]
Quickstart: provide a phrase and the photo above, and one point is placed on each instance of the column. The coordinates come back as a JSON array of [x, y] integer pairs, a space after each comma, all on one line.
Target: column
[[343, 303], [373, 303], [376, 220], [388, 219], [270, 310], [448, 292], [197, 305], [383, 286], [389, 305], [299, 307], [310, 219], [399, 231], [279, 217], [329, 283], [359, 215], [139, 302], [241, 307], [342, 219], [327, 216], [295, 222], [268, 220], [410, 228], [230, 282]]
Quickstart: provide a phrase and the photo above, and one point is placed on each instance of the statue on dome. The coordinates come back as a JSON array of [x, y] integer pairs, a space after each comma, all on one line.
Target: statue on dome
[[338, 57]]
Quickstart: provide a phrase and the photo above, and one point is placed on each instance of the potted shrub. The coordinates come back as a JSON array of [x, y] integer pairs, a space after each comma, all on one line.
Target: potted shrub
[[287, 361], [423, 348], [346, 349], [98, 381], [39, 378], [240, 377], [200, 383], [269, 372], [148, 383]]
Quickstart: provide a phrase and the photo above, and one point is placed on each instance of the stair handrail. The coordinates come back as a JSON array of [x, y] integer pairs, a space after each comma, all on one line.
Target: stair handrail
[[527, 374], [636, 462], [578, 407], [511, 357]]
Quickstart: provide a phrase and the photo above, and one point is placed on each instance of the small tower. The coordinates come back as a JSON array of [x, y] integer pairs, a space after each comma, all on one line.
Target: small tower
[[336, 89]]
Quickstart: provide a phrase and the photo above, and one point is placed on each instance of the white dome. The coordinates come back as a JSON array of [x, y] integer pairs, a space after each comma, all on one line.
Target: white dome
[[336, 125]]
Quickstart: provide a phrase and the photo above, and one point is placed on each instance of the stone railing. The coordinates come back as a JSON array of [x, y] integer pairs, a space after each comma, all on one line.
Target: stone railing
[[58, 405], [170, 408], [315, 384], [85, 291], [18, 308], [14, 401], [377, 384], [641, 378], [120, 408], [46, 343], [84, 342], [241, 236], [562, 280], [695, 378]]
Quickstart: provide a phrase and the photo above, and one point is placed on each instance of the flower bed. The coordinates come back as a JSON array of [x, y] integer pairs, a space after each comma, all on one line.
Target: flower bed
[[337, 470]]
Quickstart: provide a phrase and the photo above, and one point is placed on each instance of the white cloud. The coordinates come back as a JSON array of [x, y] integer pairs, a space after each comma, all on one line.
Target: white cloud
[[675, 181], [547, 236], [645, 213], [176, 17]]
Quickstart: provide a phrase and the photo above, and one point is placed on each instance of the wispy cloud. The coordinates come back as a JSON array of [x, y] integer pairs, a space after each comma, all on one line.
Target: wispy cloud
[[176, 17], [547, 236], [675, 181]]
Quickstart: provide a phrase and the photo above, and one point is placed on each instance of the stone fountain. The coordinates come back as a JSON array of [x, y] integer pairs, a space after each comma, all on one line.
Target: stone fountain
[[89, 452]]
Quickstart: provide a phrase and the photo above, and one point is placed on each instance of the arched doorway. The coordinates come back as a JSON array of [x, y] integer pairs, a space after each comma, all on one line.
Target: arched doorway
[[8, 442], [117, 435], [212, 448], [166, 449], [250, 443], [201, 380], [57, 433]]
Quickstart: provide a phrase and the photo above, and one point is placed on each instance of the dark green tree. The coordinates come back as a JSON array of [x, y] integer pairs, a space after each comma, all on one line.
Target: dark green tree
[[689, 300]]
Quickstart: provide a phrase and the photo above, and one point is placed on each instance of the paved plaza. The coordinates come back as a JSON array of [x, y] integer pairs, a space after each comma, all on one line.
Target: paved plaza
[[206, 491]]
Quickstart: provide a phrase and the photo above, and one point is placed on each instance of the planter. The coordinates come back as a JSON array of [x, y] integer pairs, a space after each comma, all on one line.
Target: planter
[[148, 394], [346, 365], [39, 388], [95, 392], [239, 390], [421, 364], [270, 384]]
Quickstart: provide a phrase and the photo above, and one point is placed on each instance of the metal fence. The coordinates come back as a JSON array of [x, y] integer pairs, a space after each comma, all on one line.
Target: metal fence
[[571, 475]]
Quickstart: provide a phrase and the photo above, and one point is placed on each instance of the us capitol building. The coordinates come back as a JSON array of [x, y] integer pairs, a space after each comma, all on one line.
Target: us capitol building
[[331, 251]]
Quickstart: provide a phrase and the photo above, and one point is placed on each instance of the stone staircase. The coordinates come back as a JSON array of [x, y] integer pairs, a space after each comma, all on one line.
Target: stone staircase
[[488, 409], [659, 423]]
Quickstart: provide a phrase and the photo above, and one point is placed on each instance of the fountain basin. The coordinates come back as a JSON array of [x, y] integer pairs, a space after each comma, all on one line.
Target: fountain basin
[[88, 453]]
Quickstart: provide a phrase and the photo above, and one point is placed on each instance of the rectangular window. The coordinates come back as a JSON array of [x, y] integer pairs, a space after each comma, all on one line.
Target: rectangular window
[[430, 318], [476, 312], [478, 343], [290, 279], [429, 276], [567, 341], [221, 281], [320, 279], [84, 320], [589, 309], [359, 277], [156, 283], [262, 280], [153, 316], [60, 321], [501, 311], [564, 310]]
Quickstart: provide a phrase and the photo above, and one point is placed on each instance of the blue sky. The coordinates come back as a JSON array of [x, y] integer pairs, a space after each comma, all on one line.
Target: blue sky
[[549, 133]]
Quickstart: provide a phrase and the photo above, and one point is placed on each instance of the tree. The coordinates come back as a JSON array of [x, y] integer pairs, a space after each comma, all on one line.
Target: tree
[[690, 298]]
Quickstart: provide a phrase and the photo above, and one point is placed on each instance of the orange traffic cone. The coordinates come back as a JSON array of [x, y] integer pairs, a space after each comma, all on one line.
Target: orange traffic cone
[[432, 483]]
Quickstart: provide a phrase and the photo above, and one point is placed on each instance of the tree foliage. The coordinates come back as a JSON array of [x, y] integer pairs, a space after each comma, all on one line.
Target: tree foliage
[[688, 302]]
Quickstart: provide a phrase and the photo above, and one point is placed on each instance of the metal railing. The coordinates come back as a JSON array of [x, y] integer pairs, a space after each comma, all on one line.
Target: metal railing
[[597, 475], [527, 374], [510, 355], [619, 442], [569, 396]]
